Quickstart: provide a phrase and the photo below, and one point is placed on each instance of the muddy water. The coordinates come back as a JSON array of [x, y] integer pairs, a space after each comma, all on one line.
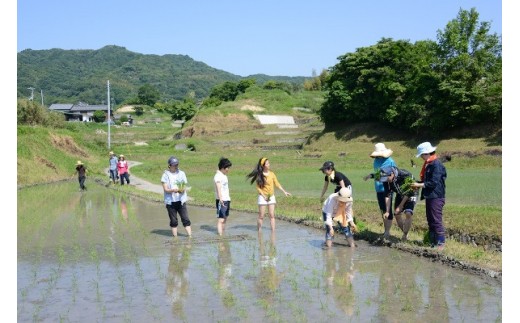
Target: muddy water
[[102, 256]]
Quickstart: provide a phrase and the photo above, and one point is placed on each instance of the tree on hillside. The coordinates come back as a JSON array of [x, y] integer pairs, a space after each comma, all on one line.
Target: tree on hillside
[[426, 86], [243, 85], [226, 91], [272, 85], [471, 65], [183, 110], [148, 94], [317, 82], [376, 82]]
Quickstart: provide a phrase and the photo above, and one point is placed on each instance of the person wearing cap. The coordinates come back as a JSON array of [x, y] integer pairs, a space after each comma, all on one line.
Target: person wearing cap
[[433, 190], [334, 177], [174, 183], [266, 181], [340, 204], [222, 196], [112, 167], [398, 181], [81, 170], [382, 158], [122, 169]]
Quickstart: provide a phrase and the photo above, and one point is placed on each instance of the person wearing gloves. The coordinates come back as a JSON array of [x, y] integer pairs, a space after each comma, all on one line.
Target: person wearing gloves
[[339, 204]]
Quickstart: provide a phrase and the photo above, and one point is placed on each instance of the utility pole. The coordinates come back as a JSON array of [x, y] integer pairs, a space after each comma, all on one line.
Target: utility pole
[[41, 92], [108, 111], [32, 93]]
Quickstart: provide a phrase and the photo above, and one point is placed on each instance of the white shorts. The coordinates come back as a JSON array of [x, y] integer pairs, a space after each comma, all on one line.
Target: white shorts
[[262, 201]]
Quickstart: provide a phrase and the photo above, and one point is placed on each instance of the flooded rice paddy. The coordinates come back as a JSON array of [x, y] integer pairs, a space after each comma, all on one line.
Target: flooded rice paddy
[[103, 256]]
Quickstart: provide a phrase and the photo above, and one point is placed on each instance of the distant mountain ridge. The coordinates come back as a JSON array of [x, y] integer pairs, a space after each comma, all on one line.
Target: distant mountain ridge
[[71, 76]]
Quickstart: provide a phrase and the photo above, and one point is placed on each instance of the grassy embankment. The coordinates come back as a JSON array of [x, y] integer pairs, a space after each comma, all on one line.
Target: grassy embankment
[[474, 182]]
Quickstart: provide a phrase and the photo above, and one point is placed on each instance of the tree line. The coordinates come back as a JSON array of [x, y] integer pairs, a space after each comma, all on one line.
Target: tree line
[[426, 86]]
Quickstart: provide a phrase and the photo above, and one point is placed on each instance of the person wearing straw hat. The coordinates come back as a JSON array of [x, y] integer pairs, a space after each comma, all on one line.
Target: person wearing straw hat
[[381, 156], [122, 169], [112, 162], [340, 204], [81, 170], [433, 190]]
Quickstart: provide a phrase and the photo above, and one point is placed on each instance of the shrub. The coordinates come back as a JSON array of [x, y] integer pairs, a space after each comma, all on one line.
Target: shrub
[[31, 113]]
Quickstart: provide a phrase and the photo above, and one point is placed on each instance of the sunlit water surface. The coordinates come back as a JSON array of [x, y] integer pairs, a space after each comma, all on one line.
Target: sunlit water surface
[[104, 256]]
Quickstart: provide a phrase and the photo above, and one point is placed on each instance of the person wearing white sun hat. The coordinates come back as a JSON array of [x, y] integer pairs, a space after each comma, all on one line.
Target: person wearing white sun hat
[[381, 156], [433, 191]]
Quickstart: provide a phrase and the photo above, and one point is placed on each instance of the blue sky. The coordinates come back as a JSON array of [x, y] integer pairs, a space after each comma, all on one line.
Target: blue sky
[[290, 38]]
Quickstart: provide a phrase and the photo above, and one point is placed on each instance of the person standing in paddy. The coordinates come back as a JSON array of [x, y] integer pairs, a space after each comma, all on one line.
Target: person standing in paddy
[[266, 181], [81, 170], [339, 204], [222, 196], [174, 183], [382, 158], [399, 181], [433, 190]]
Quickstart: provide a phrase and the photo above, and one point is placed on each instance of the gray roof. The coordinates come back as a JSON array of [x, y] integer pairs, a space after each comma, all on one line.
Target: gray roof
[[88, 108], [61, 106]]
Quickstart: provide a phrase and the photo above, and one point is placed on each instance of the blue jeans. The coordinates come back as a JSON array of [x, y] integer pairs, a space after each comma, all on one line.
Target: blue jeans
[[113, 175]]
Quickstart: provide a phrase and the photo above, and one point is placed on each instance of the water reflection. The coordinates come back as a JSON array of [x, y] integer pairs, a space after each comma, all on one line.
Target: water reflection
[[225, 272], [124, 209], [177, 282], [70, 241], [268, 280], [436, 307], [339, 274], [398, 293]]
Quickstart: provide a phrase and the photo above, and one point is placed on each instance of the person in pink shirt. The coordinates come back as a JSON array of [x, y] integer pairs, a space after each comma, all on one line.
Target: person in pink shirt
[[122, 169]]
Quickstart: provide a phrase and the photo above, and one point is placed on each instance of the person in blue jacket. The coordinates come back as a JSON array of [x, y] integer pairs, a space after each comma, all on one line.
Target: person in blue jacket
[[433, 190]]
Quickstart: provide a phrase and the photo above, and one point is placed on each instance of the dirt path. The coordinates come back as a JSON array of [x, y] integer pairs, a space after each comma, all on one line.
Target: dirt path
[[141, 183]]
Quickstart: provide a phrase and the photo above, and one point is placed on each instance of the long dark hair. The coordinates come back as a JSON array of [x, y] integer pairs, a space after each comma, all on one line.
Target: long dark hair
[[257, 173]]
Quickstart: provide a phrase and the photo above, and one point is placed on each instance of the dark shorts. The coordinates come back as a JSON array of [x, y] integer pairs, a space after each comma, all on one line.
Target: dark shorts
[[382, 204], [408, 206], [222, 211]]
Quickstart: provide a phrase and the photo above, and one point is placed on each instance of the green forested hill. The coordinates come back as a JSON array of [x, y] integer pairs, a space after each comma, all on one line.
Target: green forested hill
[[70, 76]]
